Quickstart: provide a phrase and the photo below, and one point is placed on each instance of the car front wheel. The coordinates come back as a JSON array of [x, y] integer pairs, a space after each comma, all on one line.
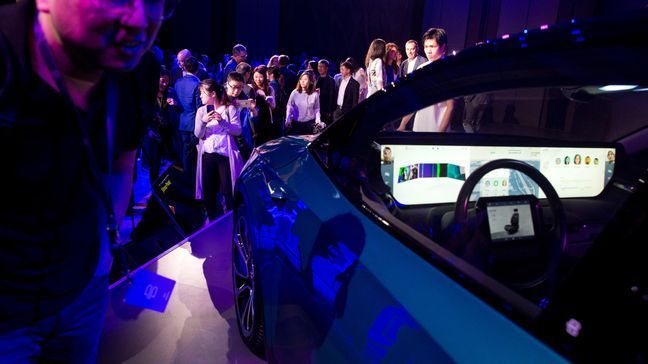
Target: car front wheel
[[247, 295]]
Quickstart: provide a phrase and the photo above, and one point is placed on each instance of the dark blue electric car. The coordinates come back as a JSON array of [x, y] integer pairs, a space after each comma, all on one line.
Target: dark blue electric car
[[519, 236]]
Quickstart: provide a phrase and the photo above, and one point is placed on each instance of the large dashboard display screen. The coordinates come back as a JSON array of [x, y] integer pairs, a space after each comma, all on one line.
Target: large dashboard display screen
[[429, 174]]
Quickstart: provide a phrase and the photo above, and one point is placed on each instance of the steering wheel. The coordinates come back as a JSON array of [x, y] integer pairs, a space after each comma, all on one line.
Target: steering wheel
[[556, 234]]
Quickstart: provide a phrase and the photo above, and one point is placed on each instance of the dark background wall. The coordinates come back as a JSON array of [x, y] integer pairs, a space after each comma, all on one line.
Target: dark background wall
[[340, 28]]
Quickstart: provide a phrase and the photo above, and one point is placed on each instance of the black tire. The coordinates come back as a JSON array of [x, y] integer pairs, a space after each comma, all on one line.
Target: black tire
[[246, 288]]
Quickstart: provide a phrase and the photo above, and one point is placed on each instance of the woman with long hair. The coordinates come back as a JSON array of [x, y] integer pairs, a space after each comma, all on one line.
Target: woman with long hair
[[303, 109], [375, 66], [391, 62], [359, 75], [219, 160], [264, 95]]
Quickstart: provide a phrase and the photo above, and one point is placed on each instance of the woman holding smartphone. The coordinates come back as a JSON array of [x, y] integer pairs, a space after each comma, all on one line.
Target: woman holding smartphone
[[219, 160], [303, 109]]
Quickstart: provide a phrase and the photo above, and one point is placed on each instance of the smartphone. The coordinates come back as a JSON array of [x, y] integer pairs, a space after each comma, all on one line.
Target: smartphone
[[210, 108], [245, 103]]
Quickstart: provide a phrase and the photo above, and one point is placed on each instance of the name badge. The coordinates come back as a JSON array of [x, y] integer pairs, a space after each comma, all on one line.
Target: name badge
[[149, 290]]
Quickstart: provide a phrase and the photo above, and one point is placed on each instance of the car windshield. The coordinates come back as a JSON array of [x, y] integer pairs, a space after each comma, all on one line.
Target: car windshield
[[561, 131], [572, 113]]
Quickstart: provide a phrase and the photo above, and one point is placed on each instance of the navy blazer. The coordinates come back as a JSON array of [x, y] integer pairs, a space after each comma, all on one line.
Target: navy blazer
[[189, 98], [402, 72]]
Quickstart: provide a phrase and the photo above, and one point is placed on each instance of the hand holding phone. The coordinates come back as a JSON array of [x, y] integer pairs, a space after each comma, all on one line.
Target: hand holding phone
[[249, 103], [215, 114], [210, 115]]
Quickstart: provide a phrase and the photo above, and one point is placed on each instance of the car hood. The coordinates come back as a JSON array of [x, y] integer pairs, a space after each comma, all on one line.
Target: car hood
[[280, 152]]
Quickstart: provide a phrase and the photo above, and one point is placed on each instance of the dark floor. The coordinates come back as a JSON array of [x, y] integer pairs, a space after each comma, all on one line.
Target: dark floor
[[199, 323]]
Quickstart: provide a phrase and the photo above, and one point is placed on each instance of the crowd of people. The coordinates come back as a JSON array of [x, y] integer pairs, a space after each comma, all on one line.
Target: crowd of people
[[212, 116], [79, 94]]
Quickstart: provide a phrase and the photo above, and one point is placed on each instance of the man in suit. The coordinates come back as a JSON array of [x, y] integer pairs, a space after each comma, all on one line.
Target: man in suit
[[178, 72], [188, 96], [326, 86], [347, 91], [239, 54], [289, 76], [413, 60]]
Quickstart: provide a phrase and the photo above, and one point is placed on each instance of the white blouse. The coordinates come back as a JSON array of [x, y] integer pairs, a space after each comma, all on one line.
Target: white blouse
[[214, 133], [377, 76], [303, 107], [361, 77]]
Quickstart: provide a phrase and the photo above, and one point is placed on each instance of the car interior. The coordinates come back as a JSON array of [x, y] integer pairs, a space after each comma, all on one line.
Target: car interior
[[523, 194], [568, 134]]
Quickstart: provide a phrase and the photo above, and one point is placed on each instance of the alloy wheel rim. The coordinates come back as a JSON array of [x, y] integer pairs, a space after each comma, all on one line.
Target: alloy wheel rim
[[243, 278]]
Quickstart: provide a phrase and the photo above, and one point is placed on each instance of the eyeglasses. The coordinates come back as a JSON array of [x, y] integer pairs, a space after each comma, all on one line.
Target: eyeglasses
[[239, 87], [162, 9]]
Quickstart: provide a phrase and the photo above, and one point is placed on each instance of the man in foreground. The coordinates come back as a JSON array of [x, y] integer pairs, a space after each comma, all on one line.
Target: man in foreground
[[75, 91]]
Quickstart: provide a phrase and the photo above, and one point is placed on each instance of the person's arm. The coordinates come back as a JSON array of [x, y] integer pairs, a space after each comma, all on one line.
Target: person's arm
[[445, 121], [199, 123], [332, 95], [404, 122], [178, 101], [355, 94], [380, 72], [172, 99], [289, 108], [121, 181], [271, 98], [234, 125], [316, 108], [196, 97]]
